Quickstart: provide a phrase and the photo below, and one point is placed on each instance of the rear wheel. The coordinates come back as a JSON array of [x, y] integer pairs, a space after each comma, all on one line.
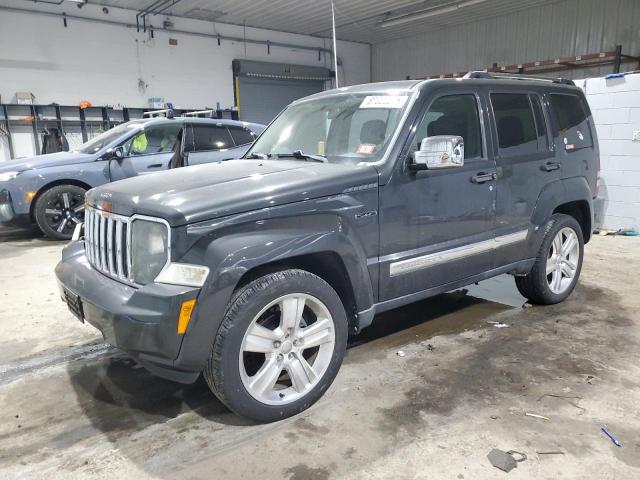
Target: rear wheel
[[555, 273], [279, 347], [58, 210]]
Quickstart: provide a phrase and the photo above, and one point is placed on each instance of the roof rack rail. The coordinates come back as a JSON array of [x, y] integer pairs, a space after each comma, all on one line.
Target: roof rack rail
[[197, 113], [516, 76]]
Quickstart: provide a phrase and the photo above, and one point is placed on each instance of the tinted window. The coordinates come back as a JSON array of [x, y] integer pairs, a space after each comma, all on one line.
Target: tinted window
[[571, 119], [453, 115], [241, 136], [154, 139], [207, 138], [517, 133]]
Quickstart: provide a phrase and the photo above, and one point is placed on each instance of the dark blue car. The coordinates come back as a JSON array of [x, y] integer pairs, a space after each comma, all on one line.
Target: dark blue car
[[48, 190]]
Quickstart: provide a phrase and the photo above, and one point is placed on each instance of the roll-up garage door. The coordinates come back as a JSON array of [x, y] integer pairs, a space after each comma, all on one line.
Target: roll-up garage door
[[264, 89]]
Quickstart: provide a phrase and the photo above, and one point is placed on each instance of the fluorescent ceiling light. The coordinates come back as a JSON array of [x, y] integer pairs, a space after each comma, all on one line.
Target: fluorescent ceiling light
[[432, 12]]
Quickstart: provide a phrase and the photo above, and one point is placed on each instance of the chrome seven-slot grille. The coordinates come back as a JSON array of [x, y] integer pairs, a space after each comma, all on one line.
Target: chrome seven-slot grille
[[107, 239]]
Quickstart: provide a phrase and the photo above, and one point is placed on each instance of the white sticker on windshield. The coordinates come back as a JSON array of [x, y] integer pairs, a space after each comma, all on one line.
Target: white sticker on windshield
[[384, 101]]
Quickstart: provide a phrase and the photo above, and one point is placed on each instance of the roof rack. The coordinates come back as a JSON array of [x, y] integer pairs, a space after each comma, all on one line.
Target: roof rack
[[167, 112], [516, 76]]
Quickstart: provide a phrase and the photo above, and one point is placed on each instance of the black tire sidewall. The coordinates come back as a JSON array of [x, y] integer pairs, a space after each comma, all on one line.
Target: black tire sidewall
[[558, 222], [233, 391], [41, 205]]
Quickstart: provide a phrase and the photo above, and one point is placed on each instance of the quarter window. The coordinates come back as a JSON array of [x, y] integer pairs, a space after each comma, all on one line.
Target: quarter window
[[453, 115], [517, 132], [571, 118]]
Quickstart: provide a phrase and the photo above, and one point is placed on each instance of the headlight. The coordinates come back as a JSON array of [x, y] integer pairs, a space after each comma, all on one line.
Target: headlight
[[149, 250], [5, 177]]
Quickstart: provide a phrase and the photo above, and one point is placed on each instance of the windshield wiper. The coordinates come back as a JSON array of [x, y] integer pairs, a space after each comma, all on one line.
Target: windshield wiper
[[300, 155], [261, 156]]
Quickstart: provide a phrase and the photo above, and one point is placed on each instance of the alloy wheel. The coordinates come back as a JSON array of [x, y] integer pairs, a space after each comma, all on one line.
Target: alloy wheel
[[562, 260], [287, 349], [64, 211]]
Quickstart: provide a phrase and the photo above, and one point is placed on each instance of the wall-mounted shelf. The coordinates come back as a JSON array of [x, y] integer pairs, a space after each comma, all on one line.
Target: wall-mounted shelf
[[88, 122], [613, 57]]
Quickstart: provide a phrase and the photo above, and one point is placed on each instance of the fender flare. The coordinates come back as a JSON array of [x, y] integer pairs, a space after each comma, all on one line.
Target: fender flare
[[230, 256]]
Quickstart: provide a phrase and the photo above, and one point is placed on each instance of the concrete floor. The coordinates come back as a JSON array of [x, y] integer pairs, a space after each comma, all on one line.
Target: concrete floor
[[71, 407]]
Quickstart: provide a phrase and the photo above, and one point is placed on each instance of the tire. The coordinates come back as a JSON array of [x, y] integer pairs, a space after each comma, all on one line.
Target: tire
[[542, 285], [235, 370], [58, 210]]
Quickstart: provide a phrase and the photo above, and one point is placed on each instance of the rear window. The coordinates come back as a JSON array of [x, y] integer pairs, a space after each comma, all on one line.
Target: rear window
[[571, 118], [518, 131]]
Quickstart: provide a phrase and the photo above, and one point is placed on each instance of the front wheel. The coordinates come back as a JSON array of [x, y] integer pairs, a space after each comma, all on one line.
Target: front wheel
[[557, 267], [279, 347], [58, 210]]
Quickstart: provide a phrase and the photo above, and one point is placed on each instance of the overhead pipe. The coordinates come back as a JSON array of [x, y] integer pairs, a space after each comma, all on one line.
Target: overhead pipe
[[183, 32]]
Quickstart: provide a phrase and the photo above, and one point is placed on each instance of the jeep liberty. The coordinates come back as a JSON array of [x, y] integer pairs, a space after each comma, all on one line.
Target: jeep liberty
[[253, 272]]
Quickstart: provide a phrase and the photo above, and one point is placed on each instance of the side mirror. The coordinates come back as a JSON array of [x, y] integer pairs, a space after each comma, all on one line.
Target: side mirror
[[114, 153], [441, 151]]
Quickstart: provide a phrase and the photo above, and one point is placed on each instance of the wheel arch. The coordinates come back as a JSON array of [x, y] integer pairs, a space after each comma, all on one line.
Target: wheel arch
[[578, 209], [328, 265], [571, 196], [49, 186]]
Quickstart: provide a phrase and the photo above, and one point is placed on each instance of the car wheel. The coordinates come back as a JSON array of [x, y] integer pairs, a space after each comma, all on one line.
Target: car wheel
[[58, 210], [557, 267], [279, 347]]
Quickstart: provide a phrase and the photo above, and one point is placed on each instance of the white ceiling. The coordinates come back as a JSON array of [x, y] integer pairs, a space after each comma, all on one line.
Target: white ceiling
[[356, 20]]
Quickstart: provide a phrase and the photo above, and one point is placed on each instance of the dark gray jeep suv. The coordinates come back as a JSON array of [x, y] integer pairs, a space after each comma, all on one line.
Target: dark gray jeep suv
[[353, 201]]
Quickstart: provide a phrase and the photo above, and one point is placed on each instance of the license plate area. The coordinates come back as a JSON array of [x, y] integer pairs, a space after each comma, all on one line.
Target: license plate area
[[74, 302]]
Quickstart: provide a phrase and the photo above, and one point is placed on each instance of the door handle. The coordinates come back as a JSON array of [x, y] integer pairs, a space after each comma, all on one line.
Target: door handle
[[550, 166], [483, 177], [155, 165]]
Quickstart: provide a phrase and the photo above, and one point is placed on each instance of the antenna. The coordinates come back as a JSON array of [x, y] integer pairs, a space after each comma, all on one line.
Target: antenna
[[335, 48]]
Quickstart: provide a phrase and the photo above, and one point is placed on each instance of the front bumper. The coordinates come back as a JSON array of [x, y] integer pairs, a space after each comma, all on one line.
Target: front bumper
[[140, 321]]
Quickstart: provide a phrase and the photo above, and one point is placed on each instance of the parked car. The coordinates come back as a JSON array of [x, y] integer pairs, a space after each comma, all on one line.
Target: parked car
[[253, 272], [48, 190]]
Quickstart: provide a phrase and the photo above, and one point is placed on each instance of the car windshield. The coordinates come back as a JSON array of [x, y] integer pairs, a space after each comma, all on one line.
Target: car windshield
[[104, 139], [340, 128]]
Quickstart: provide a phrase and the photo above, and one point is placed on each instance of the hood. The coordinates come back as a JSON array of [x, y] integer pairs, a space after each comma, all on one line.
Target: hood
[[203, 192], [48, 160]]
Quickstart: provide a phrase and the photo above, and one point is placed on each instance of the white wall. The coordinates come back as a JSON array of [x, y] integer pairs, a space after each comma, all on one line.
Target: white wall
[[103, 63], [615, 104]]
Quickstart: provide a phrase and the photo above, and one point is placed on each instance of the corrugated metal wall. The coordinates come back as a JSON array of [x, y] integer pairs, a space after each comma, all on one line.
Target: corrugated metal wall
[[563, 28]]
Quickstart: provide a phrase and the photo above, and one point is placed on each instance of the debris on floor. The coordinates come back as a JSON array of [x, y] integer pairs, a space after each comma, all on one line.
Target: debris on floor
[[498, 324], [526, 305], [400, 353], [551, 452], [505, 461], [535, 415], [606, 431]]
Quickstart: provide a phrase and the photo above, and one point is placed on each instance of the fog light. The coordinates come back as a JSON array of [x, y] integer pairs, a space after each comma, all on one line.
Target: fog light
[[185, 315]]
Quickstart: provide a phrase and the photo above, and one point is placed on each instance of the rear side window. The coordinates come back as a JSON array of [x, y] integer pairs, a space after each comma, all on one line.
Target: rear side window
[[571, 119], [516, 125], [207, 138], [453, 115], [241, 136]]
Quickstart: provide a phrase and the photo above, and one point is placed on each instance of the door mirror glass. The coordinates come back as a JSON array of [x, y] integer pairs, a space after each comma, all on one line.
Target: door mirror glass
[[440, 151], [115, 153]]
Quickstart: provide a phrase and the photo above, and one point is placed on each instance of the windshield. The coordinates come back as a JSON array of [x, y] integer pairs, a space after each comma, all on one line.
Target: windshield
[[342, 128], [104, 139]]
